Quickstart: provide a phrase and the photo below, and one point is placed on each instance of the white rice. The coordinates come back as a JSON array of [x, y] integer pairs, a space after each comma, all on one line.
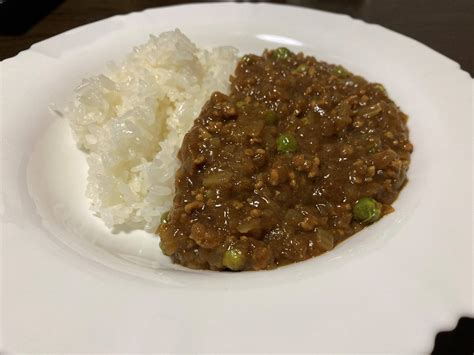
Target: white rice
[[131, 122]]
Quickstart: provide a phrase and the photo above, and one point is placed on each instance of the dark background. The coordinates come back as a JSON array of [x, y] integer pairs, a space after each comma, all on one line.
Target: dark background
[[444, 25], [447, 26]]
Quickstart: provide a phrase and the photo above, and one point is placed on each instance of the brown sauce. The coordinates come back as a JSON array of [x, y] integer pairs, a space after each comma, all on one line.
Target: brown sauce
[[298, 157]]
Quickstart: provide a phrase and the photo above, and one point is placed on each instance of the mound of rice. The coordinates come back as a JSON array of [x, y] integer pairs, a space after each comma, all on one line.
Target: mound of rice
[[131, 122]]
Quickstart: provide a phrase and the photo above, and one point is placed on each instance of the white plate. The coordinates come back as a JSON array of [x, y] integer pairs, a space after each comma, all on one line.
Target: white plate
[[71, 286]]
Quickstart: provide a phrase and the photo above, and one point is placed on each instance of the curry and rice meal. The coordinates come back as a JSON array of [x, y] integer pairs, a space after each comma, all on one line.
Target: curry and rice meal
[[243, 163]]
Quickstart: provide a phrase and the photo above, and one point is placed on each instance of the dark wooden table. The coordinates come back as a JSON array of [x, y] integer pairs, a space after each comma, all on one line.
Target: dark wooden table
[[446, 26]]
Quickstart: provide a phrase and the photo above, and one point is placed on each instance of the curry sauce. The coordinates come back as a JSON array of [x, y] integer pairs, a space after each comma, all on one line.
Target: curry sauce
[[298, 157]]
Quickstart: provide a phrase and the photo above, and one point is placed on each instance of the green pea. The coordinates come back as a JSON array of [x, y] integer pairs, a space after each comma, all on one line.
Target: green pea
[[240, 104], [380, 87], [271, 118], [164, 217], [367, 210], [301, 69], [281, 53], [339, 70], [286, 143], [234, 259]]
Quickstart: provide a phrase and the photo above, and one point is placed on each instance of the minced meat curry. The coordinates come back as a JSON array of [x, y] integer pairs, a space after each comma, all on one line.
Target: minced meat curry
[[298, 157]]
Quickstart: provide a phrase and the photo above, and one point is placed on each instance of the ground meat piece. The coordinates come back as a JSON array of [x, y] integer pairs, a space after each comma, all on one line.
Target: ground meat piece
[[204, 236]]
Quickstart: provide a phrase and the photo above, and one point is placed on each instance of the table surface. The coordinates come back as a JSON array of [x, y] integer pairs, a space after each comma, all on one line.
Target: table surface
[[445, 26]]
